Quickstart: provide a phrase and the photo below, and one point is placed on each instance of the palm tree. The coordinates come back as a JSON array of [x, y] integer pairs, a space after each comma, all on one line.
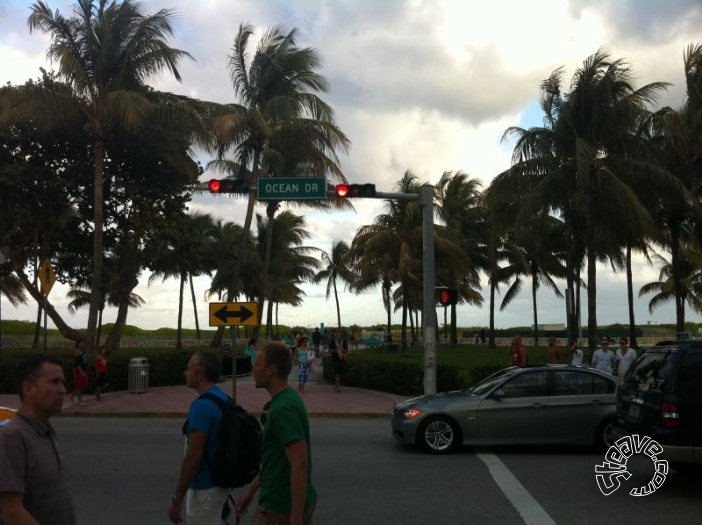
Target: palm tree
[[278, 122], [184, 252], [539, 245], [337, 266], [677, 139], [397, 233], [580, 162], [292, 264], [106, 52], [80, 298], [665, 288], [458, 206]]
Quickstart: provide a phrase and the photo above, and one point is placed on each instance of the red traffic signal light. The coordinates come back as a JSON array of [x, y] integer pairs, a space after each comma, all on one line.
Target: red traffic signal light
[[448, 296], [342, 190], [355, 190], [228, 186]]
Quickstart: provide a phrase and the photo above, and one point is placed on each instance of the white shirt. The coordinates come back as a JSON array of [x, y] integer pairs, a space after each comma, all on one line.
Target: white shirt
[[576, 357], [604, 360], [625, 361]]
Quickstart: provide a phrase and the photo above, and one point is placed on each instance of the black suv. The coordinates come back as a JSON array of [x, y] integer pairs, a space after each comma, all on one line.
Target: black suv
[[661, 397]]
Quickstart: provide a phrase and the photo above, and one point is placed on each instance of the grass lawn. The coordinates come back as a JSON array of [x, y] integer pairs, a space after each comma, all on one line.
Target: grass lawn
[[463, 357]]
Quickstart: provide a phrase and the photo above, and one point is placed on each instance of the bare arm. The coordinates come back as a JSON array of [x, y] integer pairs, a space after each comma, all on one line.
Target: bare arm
[[296, 452], [188, 470], [13, 511]]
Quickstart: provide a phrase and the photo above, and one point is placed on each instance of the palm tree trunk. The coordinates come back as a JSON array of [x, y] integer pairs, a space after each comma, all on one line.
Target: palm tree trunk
[[536, 316], [232, 293], [677, 277], [37, 327], [179, 333], [264, 277], [336, 298], [404, 320], [98, 225], [630, 299], [454, 328], [269, 320], [491, 338], [192, 294], [99, 326]]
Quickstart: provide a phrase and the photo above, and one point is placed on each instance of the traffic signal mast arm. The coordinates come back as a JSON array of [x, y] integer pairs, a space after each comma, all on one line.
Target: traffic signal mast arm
[[368, 191]]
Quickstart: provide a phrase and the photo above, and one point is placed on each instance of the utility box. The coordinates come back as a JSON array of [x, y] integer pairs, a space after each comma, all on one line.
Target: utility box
[[138, 375]]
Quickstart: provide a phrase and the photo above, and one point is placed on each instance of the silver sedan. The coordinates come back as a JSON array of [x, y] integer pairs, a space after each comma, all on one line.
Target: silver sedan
[[549, 404]]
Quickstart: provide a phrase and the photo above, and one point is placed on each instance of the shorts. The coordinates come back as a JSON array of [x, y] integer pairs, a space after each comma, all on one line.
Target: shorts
[[204, 507], [80, 378], [102, 379]]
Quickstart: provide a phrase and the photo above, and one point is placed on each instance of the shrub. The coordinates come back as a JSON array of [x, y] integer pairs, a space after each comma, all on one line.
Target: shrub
[[398, 377], [165, 368]]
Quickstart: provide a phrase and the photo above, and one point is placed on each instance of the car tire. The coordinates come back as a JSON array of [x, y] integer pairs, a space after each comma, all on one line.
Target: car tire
[[439, 435], [604, 437]]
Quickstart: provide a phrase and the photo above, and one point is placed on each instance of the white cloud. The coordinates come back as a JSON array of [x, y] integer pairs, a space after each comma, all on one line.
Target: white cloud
[[424, 85]]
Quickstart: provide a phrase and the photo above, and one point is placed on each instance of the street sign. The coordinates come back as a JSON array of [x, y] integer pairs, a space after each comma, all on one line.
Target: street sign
[[46, 275], [292, 188], [233, 314]]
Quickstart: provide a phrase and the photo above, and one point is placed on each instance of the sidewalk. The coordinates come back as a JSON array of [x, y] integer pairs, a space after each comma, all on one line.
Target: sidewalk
[[173, 401]]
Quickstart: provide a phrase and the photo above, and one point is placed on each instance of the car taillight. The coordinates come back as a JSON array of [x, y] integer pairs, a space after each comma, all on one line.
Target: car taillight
[[669, 415]]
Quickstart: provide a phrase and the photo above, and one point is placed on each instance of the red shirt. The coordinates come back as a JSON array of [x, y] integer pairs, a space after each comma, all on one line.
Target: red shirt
[[517, 358], [101, 364]]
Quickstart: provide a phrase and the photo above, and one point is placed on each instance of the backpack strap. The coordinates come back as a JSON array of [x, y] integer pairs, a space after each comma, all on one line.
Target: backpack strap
[[221, 403]]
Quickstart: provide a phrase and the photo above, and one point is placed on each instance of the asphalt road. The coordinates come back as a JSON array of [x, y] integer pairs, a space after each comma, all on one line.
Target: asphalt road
[[123, 472]]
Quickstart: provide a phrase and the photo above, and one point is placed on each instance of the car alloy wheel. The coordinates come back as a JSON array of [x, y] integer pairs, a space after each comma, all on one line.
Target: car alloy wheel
[[439, 435], [605, 435]]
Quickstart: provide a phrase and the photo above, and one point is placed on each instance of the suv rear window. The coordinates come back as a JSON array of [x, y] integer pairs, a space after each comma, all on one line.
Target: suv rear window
[[652, 371], [689, 380]]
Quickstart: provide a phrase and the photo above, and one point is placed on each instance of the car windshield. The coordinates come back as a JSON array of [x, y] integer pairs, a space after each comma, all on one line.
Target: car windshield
[[652, 371], [489, 382]]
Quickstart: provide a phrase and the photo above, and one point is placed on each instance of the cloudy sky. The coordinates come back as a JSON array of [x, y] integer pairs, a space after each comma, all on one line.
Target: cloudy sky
[[424, 85]]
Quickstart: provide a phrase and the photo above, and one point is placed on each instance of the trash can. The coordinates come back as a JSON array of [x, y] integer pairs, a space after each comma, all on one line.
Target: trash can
[[138, 375]]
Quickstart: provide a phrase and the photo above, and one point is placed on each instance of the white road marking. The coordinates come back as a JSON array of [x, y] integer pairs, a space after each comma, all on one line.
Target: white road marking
[[529, 509]]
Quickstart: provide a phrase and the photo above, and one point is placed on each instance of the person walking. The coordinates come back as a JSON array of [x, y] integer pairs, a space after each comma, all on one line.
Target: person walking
[[316, 342], [101, 369], [576, 355], [303, 364], [625, 357], [518, 353], [203, 499], [603, 359], [553, 356], [80, 372], [287, 495], [338, 348], [34, 480]]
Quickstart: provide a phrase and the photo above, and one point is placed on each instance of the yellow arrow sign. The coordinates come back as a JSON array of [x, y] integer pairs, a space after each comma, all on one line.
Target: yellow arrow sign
[[233, 314], [46, 275]]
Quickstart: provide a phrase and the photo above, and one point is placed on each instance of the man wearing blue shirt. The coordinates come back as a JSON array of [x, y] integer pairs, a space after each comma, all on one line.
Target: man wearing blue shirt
[[603, 359], [203, 499]]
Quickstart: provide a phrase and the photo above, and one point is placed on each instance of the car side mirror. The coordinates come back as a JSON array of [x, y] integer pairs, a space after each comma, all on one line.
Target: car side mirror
[[498, 394]]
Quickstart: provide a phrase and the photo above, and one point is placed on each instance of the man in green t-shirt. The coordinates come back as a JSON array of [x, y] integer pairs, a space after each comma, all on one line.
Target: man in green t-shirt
[[287, 494]]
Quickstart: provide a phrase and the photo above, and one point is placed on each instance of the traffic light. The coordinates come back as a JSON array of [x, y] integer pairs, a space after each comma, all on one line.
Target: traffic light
[[448, 296], [344, 191], [228, 186]]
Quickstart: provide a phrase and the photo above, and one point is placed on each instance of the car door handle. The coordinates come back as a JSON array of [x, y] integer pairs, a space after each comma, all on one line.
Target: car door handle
[[596, 402], [538, 405]]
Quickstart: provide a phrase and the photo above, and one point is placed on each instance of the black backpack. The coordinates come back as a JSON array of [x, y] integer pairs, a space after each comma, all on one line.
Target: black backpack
[[237, 460]]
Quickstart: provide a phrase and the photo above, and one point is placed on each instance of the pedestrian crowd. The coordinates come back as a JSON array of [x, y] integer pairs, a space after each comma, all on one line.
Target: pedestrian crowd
[[34, 484]]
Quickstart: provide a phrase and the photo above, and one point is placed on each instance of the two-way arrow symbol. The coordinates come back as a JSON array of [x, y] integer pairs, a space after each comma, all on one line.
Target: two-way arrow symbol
[[223, 314]]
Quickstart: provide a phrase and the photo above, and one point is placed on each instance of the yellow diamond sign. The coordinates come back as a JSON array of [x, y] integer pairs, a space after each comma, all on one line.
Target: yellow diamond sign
[[47, 277]]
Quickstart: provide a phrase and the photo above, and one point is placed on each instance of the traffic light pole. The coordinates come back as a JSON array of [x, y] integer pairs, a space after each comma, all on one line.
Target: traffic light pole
[[426, 200]]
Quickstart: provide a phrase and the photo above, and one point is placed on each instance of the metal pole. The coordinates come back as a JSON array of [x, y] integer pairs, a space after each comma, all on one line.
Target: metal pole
[[233, 346], [46, 300], [426, 199]]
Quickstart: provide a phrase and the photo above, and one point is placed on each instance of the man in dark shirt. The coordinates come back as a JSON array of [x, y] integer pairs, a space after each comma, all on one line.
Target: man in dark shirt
[[33, 486]]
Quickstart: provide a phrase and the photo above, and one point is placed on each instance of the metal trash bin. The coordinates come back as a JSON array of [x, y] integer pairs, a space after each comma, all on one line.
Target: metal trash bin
[[138, 375]]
